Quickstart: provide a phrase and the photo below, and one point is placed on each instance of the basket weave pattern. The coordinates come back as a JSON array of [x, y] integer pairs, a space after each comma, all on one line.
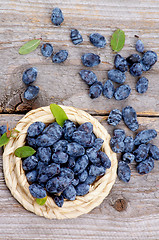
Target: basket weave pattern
[[16, 180]]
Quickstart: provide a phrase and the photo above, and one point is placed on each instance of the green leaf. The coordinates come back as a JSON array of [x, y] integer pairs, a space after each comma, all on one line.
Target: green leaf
[[117, 40], [29, 46], [41, 201], [23, 152], [58, 113], [4, 140]]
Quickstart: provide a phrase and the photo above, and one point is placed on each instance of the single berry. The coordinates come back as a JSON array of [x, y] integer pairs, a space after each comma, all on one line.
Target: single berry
[[105, 161], [61, 145], [31, 92], [47, 50], [90, 180], [108, 89], [35, 129], [114, 117], [120, 63], [129, 144], [81, 164], [44, 154], [117, 145], [47, 172], [59, 157], [97, 40], [37, 191], [82, 189], [30, 163], [128, 157], [145, 166], [76, 37], [31, 142], [32, 176], [148, 60], [98, 143], [96, 90], [59, 200], [75, 150], [122, 92], [57, 16], [141, 153], [142, 85], [83, 138], [145, 136], [116, 76], [154, 152], [29, 75], [68, 129], [139, 46], [60, 56], [130, 118], [136, 69], [83, 176], [124, 171], [54, 130], [88, 76], [86, 127], [69, 193], [90, 59], [96, 171], [93, 155]]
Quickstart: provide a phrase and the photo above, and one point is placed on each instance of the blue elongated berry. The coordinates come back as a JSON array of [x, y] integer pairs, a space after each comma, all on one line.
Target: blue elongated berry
[[60, 56], [90, 59], [97, 40], [120, 63], [69, 193], [68, 129], [96, 90], [136, 69], [142, 85], [61, 145], [139, 46], [148, 60], [129, 144], [119, 133], [88, 76], [83, 176], [32, 176], [29, 75], [31, 92], [35, 129], [82, 189], [76, 37], [59, 157], [145, 136], [59, 200], [57, 16], [105, 161], [141, 153], [130, 118], [98, 143], [81, 164], [47, 50], [124, 171], [128, 157], [108, 89], [114, 117], [96, 171], [90, 179], [122, 92], [83, 138], [116, 76], [86, 127], [75, 150], [93, 155], [37, 191], [30, 163], [117, 145], [145, 166], [154, 152]]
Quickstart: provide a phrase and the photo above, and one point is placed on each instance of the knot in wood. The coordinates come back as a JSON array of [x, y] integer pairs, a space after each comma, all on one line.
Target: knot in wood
[[120, 205]]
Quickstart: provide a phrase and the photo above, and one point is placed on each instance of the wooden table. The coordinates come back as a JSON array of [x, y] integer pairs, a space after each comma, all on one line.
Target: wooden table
[[131, 211]]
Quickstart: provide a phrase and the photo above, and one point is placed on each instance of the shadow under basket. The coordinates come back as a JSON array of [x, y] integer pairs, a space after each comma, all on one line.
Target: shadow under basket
[[16, 180]]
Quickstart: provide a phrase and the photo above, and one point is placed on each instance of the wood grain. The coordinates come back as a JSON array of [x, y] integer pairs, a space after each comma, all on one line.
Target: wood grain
[[139, 221], [24, 20]]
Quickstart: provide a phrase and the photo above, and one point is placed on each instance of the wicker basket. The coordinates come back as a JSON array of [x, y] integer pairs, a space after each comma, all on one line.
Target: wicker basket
[[16, 180]]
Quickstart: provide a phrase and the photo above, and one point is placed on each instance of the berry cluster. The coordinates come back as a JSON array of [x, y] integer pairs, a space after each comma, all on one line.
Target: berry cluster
[[67, 161]]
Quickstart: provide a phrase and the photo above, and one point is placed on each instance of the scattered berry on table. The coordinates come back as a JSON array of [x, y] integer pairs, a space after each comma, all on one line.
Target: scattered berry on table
[[57, 16], [130, 118], [133, 58], [35, 129], [108, 89], [148, 60], [86, 127], [30, 163], [68, 129], [59, 200], [29, 75], [114, 117], [75, 150], [69, 193], [60, 56], [116, 76], [124, 171], [97, 40], [88, 76], [47, 50], [81, 164], [154, 152], [145, 166], [76, 37], [90, 59], [59, 157], [37, 191], [31, 92], [96, 90], [120, 63], [117, 145], [32, 176], [122, 92], [136, 69], [141, 153], [83, 176], [44, 154], [3, 129], [129, 144], [142, 85], [119, 133], [82, 189], [145, 136], [128, 157], [139, 46]]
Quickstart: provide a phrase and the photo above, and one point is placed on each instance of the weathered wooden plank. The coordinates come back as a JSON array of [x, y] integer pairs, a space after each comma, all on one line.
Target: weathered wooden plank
[[24, 20], [140, 219]]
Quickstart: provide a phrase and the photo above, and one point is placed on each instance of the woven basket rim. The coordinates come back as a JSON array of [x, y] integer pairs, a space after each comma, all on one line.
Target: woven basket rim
[[16, 180]]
